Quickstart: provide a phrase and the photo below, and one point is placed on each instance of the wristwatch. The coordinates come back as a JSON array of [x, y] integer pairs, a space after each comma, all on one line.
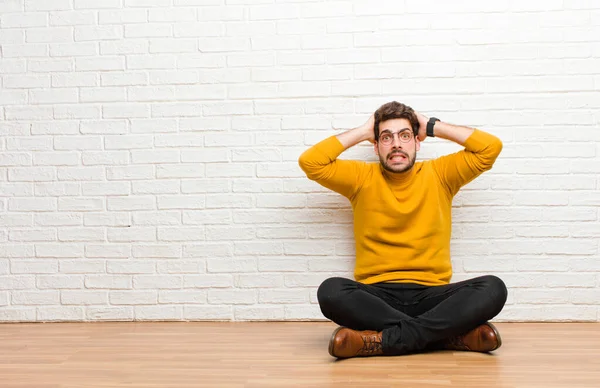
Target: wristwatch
[[430, 125]]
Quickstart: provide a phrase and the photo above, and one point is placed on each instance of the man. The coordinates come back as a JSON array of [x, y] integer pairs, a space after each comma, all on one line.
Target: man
[[401, 301]]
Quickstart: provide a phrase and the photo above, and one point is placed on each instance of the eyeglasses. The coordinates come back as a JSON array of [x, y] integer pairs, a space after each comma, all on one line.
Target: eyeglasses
[[387, 138]]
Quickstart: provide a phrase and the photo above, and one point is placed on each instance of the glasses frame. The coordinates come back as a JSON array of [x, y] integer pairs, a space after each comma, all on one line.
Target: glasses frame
[[412, 136]]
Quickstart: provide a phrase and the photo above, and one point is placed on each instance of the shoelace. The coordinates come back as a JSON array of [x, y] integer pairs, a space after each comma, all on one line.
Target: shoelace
[[371, 344]]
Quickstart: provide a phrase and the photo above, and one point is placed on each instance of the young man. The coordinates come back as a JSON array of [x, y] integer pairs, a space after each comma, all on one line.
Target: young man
[[401, 301]]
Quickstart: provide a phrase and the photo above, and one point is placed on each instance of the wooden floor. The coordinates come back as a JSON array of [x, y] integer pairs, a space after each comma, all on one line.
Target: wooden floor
[[277, 354]]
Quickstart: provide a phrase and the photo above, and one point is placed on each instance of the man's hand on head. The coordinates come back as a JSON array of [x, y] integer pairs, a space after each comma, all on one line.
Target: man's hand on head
[[369, 129], [422, 126]]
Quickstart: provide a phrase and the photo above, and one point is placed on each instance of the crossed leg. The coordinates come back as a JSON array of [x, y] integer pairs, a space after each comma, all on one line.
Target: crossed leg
[[412, 317]]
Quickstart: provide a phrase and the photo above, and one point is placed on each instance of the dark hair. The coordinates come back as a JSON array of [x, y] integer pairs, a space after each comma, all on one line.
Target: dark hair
[[395, 110]]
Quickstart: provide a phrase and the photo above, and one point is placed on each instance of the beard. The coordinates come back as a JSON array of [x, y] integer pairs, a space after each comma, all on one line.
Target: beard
[[395, 168]]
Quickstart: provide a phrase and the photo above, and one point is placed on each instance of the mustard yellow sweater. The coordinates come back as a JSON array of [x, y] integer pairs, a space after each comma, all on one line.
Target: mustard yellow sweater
[[402, 224]]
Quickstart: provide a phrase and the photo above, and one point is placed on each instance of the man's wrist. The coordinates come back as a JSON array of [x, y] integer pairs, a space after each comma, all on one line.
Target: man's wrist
[[430, 126]]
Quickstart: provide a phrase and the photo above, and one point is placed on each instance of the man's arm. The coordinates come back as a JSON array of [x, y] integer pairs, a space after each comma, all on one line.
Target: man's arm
[[359, 134], [320, 161], [458, 169]]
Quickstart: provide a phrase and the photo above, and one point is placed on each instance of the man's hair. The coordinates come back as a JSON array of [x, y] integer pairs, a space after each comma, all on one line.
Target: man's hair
[[395, 110]]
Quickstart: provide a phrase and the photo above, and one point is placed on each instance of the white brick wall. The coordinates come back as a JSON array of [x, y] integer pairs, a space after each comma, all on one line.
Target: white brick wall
[[148, 149]]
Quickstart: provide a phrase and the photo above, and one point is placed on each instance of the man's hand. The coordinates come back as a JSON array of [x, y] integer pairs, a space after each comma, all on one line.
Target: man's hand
[[422, 126], [359, 134], [369, 129]]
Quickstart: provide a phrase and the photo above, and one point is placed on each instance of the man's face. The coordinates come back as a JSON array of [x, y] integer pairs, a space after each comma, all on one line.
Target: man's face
[[397, 146]]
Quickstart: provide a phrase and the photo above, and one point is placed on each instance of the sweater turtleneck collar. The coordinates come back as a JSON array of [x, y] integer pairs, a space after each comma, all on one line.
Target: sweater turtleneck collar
[[398, 178]]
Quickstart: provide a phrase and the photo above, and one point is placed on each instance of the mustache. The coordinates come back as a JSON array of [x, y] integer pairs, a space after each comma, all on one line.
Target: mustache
[[391, 155]]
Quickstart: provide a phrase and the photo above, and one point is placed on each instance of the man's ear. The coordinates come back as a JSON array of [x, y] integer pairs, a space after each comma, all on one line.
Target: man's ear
[[376, 148], [417, 144]]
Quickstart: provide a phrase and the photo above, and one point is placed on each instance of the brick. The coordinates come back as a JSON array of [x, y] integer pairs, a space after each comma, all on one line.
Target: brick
[[154, 157], [148, 30], [206, 217], [122, 111], [79, 266], [73, 50], [110, 282], [133, 297], [211, 313], [259, 313], [147, 3], [91, 4], [205, 186], [157, 313], [207, 281], [181, 170], [163, 186], [17, 282], [131, 234], [157, 281], [126, 142], [77, 112], [106, 219], [182, 266], [80, 204], [123, 79], [186, 297], [59, 250], [49, 35], [48, 234], [97, 33], [258, 186], [56, 158], [150, 62], [21, 50], [99, 64], [14, 65], [50, 5], [59, 282], [35, 298], [71, 18], [72, 297], [110, 313], [108, 250], [122, 16], [58, 219], [157, 251], [181, 234], [26, 81], [81, 173], [18, 314], [33, 266], [250, 28], [232, 297], [29, 19], [124, 46]]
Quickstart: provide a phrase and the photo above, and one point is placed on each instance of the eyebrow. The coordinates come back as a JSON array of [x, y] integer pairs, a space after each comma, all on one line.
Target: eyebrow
[[400, 131]]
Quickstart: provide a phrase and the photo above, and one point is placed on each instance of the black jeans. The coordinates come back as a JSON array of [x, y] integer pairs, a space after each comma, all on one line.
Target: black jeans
[[412, 317]]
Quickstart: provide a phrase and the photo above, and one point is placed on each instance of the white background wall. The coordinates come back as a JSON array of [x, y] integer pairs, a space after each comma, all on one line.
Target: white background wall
[[148, 149]]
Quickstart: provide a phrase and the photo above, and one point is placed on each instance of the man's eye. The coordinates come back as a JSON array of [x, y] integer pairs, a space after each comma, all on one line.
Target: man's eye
[[385, 137]]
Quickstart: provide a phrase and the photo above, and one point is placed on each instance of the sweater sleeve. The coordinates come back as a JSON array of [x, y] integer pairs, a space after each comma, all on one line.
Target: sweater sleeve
[[458, 169], [320, 164]]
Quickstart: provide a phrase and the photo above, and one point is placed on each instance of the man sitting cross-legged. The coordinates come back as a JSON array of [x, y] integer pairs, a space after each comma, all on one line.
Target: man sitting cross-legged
[[401, 300]]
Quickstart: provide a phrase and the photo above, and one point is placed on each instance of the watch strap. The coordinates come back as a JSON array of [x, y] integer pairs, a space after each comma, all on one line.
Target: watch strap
[[430, 125]]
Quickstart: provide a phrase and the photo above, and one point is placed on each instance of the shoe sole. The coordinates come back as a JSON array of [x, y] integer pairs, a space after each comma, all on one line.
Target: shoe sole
[[331, 341], [497, 333]]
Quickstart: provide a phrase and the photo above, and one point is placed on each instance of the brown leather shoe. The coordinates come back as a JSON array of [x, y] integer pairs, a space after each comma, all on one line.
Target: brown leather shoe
[[347, 343], [483, 338]]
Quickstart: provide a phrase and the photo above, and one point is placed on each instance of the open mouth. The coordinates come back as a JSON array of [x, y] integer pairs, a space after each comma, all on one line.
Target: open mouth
[[398, 158]]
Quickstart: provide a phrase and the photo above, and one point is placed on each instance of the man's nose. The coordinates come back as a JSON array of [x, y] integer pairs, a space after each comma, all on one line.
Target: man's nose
[[396, 143]]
